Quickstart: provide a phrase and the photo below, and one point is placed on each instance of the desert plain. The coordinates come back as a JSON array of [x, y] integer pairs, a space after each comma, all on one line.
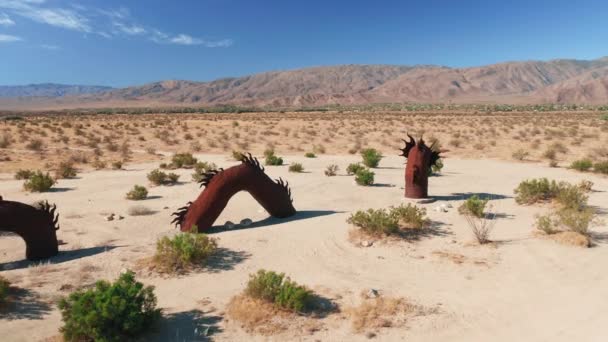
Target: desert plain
[[519, 286]]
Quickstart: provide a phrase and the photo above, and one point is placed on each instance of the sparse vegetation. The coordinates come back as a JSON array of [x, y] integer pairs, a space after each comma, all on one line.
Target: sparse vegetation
[[200, 168], [371, 157], [273, 160], [39, 182], [158, 177], [520, 154], [275, 288], [111, 312], [23, 174], [183, 160], [473, 206], [65, 170], [138, 193], [364, 177], [140, 210], [352, 169], [183, 252], [582, 165], [331, 170], [388, 222], [296, 167], [310, 155]]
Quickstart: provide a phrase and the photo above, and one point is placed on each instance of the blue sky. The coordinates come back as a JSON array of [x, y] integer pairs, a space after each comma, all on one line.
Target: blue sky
[[121, 43]]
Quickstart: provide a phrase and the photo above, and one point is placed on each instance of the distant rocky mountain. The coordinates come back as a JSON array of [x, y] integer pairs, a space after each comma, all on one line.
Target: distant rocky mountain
[[49, 90], [555, 81]]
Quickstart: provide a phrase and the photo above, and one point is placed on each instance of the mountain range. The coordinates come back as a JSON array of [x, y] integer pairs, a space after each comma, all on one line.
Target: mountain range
[[556, 81]]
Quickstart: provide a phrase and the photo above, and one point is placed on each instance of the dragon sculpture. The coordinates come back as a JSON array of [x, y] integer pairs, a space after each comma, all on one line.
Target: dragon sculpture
[[220, 185], [37, 225], [420, 159]]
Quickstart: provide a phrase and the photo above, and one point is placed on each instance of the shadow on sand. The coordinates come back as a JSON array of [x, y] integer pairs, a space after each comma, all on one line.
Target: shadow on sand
[[63, 256], [24, 304], [193, 325], [465, 195], [269, 221]]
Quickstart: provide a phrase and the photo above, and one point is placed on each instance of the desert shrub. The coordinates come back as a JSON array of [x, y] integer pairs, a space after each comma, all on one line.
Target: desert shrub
[[481, 226], [140, 210], [138, 193], [371, 157], [4, 289], [117, 165], [200, 168], [331, 170], [435, 168], [238, 156], [571, 196], [388, 222], [279, 290], [473, 206], [183, 251], [535, 190], [158, 177], [183, 160], [39, 182], [581, 165], [352, 169], [35, 145], [110, 312], [601, 167], [547, 224], [585, 185], [273, 160], [310, 155], [23, 174], [296, 167], [99, 164], [576, 220], [520, 154], [269, 152], [65, 170], [364, 177]]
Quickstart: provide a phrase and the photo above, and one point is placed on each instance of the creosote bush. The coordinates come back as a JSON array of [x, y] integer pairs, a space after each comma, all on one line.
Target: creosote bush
[[272, 159], [296, 167], [184, 251], [310, 155], [601, 167], [275, 288], [371, 157], [200, 168], [183, 160], [473, 206], [353, 168], [582, 165], [391, 221], [138, 193], [39, 182], [364, 177], [158, 177], [111, 312], [65, 170]]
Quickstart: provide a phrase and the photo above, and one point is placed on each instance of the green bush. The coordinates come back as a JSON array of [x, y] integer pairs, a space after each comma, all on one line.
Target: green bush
[[473, 206], [391, 221], [352, 169], [269, 152], [371, 157], [582, 165], [158, 177], [547, 224], [183, 160], [601, 167], [39, 182], [23, 174], [571, 196], [65, 170], [273, 160], [296, 167], [535, 190], [310, 155], [110, 312], [437, 167], [331, 170], [138, 193], [279, 290], [4, 289], [200, 168], [183, 251], [576, 220], [364, 177]]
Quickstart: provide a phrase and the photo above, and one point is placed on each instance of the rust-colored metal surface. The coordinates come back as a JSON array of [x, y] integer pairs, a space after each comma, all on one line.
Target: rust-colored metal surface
[[37, 226], [221, 185], [420, 158]]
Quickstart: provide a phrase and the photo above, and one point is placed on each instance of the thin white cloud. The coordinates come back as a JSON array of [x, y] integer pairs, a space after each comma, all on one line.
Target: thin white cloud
[[107, 23], [7, 38], [5, 20], [50, 47]]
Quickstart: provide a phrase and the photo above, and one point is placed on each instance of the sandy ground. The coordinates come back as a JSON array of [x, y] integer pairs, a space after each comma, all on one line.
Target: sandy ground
[[520, 288]]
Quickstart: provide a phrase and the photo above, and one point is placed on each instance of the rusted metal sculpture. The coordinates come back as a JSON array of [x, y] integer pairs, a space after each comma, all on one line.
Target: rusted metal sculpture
[[36, 225], [221, 185], [420, 159]]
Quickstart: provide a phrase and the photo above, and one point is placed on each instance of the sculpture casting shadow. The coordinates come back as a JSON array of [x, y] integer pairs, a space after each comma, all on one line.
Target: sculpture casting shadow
[[270, 221], [61, 257]]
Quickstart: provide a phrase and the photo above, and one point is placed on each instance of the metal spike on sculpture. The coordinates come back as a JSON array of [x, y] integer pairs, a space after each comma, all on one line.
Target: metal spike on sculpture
[[36, 225], [220, 185], [420, 159]]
